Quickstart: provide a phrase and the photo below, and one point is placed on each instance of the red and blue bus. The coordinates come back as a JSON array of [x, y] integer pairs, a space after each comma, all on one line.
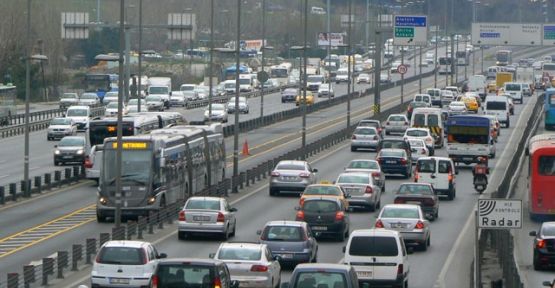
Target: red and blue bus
[[541, 176]]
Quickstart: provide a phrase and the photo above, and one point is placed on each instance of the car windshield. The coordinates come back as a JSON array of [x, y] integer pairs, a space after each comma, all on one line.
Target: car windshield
[[322, 190], [72, 141], [320, 279], [290, 91], [158, 90], [112, 105], [77, 112], [283, 233], [315, 79], [241, 100], [373, 246], [172, 275], [60, 121], [187, 88], [111, 94], [205, 204], [217, 107], [239, 253], [121, 256], [88, 96], [415, 189], [350, 178], [363, 165], [135, 102], [290, 167], [417, 133], [364, 131], [398, 212], [153, 98], [320, 206]]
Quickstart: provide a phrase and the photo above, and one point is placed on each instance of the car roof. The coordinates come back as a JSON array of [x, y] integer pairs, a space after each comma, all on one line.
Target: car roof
[[295, 162], [126, 243], [204, 198], [401, 206], [418, 129], [285, 223], [374, 232], [393, 150], [416, 183], [78, 107], [201, 261], [243, 244], [322, 198], [322, 266]]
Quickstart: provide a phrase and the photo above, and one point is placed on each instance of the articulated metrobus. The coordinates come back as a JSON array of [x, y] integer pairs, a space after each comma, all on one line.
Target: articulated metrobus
[[8, 94]]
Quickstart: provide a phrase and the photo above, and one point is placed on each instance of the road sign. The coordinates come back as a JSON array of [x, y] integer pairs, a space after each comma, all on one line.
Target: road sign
[[402, 69], [75, 25], [410, 30], [548, 34], [182, 26], [499, 214], [262, 76], [529, 34]]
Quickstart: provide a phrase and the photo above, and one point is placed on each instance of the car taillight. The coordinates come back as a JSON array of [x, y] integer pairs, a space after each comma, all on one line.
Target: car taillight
[[375, 137], [181, 215], [398, 201], [354, 137], [368, 190], [300, 216], [339, 216], [88, 163], [259, 268], [301, 202], [154, 281], [217, 283], [404, 161], [419, 225], [379, 224], [221, 217], [423, 152], [144, 254], [400, 269], [540, 244], [376, 174], [275, 174], [450, 177], [304, 175]]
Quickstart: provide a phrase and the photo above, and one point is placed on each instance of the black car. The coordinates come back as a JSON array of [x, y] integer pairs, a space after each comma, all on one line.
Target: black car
[[192, 272], [71, 149], [325, 216], [397, 143], [419, 193], [292, 241], [544, 246], [288, 95]]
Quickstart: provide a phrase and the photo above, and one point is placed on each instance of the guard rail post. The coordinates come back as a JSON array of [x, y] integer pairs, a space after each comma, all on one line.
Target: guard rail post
[[58, 177], [24, 188], [62, 263], [13, 280], [67, 172], [47, 180], [104, 237], [131, 229], [38, 184], [2, 195], [13, 191], [140, 227], [242, 177], [90, 249], [151, 221], [47, 269], [28, 275], [76, 256]]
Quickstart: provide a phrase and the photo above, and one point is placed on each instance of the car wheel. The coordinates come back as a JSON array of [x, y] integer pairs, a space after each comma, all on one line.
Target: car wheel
[[383, 187], [353, 149], [274, 192], [181, 235], [436, 215], [508, 124], [100, 218], [341, 236], [225, 235], [234, 228], [451, 195], [372, 207], [424, 245], [537, 265]]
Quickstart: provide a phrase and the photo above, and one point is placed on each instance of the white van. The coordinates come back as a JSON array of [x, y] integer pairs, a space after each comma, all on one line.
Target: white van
[[246, 83], [435, 93], [492, 72], [423, 98], [498, 106], [80, 115], [430, 118], [439, 172], [379, 256], [515, 90]]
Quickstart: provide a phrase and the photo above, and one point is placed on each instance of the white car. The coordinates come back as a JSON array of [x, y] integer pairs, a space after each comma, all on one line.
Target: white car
[[154, 103], [457, 107], [243, 105], [177, 98], [61, 127], [421, 133], [219, 113], [133, 105], [438, 171], [209, 215], [396, 123], [111, 96], [325, 91], [68, 99], [418, 148], [80, 116], [89, 99], [394, 66], [251, 264], [112, 109], [125, 264], [385, 78], [363, 78]]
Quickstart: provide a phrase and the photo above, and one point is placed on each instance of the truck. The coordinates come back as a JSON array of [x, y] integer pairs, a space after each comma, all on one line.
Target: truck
[[502, 77], [525, 75], [469, 138], [161, 86], [477, 83]]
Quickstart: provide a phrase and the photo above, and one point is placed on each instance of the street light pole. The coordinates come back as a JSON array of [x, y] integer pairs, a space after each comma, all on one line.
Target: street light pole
[[139, 87], [236, 112], [210, 71], [27, 99], [349, 70], [329, 46], [303, 106], [263, 51], [117, 214]]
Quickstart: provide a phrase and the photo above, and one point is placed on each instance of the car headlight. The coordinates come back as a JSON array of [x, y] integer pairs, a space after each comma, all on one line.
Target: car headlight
[[80, 151], [57, 152], [103, 200], [151, 200]]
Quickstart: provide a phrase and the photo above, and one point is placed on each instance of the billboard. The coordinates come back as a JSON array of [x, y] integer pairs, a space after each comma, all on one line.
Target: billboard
[[528, 34], [324, 39], [251, 44]]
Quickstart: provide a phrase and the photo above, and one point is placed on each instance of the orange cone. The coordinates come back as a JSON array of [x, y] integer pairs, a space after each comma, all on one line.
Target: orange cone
[[245, 148]]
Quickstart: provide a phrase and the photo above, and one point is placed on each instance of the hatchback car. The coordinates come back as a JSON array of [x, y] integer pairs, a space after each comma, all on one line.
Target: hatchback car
[[363, 78], [288, 95], [395, 161], [243, 105], [292, 175], [407, 219], [544, 246], [457, 108], [420, 194], [438, 171], [61, 127], [368, 166], [178, 98], [191, 272], [250, 264], [292, 241], [361, 189], [371, 123], [154, 103], [219, 113], [326, 275], [110, 96], [418, 148], [325, 216], [112, 109], [326, 91], [365, 137], [89, 99], [396, 123], [71, 149], [207, 215], [133, 105], [309, 98], [324, 190], [125, 264], [68, 99], [423, 134]]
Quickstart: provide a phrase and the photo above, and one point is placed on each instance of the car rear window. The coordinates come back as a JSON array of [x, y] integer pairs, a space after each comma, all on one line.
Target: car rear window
[[368, 124], [415, 189], [397, 118], [179, 275], [290, 167], [546, 165], [417, 133], [121, 256], [389, 153], [433, 120], [359, 179], [365, 131], [322, 190], [396, 212], [373, 246], [320, 279], [548, 231], [444, 166], [363, 165], [419, 120], [426, 166], [320, 206], [239, 253], [282, 233], [496, 105], [203, 204]]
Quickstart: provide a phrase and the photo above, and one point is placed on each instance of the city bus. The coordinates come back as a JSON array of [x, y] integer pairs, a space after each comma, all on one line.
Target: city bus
[[8, 95], [541, 175], [99, 84], [280, 71], [549, 109], [445, 65], [503, 58], [462, 58], [161, 168], [229, 72]]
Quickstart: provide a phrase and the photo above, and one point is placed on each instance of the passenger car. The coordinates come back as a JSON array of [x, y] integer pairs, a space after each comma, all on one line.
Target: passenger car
[[80, 115], [219, 113], [243, 105], [471, 103], [124, 264], [371, 123], [385, 78], [325, 216], [369, 166], [68, 99], [325, 91], [413, 105], [457, 108], [110, 96], [178, 98], [207, 215], [71, 149], [324, 190], [292, 175], [363, 78], [421, 133], [191, 272], [309, 98], [395, 161], [60, 127], [292, 241], [390, 265], [365, 137], [89, 99], [250, 264], [154, 103], [112, 109], [133, 105], [407, 219], [361, 189], [322, 275], [289, 95], [396, 123], [418, 148], [420, 194], [543, 251]]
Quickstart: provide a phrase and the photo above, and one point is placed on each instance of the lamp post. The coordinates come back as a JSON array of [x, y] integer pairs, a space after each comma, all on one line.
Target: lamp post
[[186, 10], [27, 98], [139, 85], [263, 48], [236, 112], [211, 61], [303, 106], [349, 69]]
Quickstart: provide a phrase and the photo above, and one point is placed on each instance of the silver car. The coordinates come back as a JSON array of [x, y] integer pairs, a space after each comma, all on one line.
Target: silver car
[[368, 166], [89, 99], [68, 99], [418, 148], [365, 137], [110, 96], [251, 264], [243, 105], [207, 215], [396, 123], [154, 103], [407, 219], [292, 175], [177, 98], [219, 113], [360, 189], [61, 127]]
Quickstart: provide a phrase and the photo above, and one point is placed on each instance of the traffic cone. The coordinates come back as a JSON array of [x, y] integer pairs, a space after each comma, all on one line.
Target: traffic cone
[[245, 148]]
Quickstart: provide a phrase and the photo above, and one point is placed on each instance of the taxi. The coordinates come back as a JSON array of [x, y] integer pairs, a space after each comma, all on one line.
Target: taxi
[[309, 98], [471, 103], [492, 87], [324, 189]]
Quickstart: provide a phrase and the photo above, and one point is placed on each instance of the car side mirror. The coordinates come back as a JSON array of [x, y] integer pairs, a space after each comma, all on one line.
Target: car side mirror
[[298, 208], [234, 284], [410, 250], [55, 146], [258, 232], [211, 255], [344, 249], [315, 170], [347, 195], [232, 209], [162, 256], [547, 284], [277, 258], [533, 233]]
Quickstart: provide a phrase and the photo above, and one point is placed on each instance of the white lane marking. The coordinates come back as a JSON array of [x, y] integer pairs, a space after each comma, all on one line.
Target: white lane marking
[[4, 176]]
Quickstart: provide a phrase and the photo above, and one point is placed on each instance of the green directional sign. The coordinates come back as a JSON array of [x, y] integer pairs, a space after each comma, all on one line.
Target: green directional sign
[[404, 32], [549, 35]]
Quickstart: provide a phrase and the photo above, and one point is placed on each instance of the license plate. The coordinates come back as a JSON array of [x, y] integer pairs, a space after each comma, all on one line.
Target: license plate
[[390, 162], [66, 157], [468, 158], [365, 274], [398, 225], [319, 228], [286, 256], [119, 281], [201, 218]]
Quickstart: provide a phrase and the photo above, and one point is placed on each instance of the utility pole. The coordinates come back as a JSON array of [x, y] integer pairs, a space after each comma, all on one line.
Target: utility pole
[[139, 87], [119, 128], [329, 45], [263, 52], [236, 112], [303, 106], [211, 60], [349, 69]]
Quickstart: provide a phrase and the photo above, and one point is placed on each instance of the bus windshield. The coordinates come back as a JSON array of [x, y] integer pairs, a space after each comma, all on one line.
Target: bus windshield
[[278, 73], [135, 167], [98, 131], [97, 82]]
